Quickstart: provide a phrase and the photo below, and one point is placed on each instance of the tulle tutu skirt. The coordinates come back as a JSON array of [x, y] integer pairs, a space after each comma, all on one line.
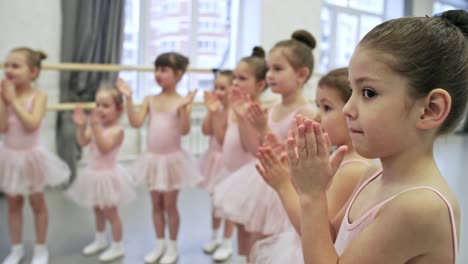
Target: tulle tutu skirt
[[102, 188], [166, 172], [211, 169], [28, 171], [281, 248], [244, 198]]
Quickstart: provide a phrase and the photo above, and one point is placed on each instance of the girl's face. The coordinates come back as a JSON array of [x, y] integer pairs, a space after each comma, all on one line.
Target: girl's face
[[17, 69], [381, 116], [330, 115], [166, 77], [222, 84], [106, 108], [245, 80], [282, 78]]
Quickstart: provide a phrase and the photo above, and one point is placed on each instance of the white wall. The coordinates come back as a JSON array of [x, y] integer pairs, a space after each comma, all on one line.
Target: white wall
[[36, 24]]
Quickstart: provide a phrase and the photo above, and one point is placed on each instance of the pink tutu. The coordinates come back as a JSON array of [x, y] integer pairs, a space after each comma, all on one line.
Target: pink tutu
[[102, 188], [246, 199], [211, 168], [28, 170], [166, 172], [285, 247]]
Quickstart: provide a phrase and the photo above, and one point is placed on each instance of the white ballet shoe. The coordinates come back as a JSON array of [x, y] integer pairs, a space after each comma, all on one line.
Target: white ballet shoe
[[154, 255], [171, 255], [97, 245], [41, 255], [15, 256], [115, 251], [211, 246], [224, 251]]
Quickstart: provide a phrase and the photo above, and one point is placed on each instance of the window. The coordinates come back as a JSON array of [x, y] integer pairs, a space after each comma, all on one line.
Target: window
[[344, 23], [199, 29], [441, 6]]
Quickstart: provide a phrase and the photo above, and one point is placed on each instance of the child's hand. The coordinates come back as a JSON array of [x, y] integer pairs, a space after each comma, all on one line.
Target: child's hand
[[8, 91], [257, 117], [79, 117], [273, 170], [309, 158], [239, 102], [211, 101], [188, 100], [123, 87]]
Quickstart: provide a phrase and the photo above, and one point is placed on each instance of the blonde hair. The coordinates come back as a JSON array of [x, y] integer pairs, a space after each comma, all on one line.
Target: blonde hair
[[114, 93]]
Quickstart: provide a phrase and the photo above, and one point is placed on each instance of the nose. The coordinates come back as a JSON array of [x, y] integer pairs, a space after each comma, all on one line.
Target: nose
[[318, 116], [349, 109]]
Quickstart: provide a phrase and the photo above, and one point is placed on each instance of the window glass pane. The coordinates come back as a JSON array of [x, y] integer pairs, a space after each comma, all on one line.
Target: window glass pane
[[441, 7], [368, 23], [131, 41], [326, 25], [343, 3], [346, 38], [372, 6]]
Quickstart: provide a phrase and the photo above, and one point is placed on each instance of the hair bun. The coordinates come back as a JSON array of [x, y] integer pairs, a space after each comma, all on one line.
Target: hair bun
[[305, 37], [42, 55], [258, 51], [459, 18]]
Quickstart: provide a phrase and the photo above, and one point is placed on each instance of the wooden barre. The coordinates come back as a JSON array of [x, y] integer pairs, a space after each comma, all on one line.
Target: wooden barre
[[104, 67]]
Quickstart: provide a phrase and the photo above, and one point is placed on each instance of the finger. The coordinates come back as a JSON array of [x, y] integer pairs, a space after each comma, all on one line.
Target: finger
[[261, 171], [310, 138], [327, 140], [272, 157], [284, 159], [291, 151], [321, 143], [337, 158], [267, 155], [302, 143]]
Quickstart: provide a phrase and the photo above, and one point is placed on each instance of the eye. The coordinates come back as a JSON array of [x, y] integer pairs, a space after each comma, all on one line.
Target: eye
[[368, 93], [327, 108]]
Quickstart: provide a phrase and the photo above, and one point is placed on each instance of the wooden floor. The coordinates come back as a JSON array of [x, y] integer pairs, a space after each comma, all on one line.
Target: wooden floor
[[71, 227]]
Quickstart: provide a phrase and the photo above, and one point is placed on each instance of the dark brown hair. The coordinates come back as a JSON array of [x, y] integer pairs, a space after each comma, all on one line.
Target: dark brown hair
[[257, 63], [298, 50], [176, 61], [429, 52], [337, 79], [33, 57]]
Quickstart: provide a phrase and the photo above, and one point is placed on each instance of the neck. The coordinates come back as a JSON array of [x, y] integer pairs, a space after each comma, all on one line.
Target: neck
[[293, 98], [110, 123], [23, 89], [169, 90], [412, 166]]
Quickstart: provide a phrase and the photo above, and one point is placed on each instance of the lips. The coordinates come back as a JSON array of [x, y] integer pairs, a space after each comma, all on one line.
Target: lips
[[355, 131]]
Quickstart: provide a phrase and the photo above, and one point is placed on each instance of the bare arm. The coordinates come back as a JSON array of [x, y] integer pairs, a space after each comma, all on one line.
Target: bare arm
[[220, 126], [31, 120], [207, 127], [136, 118], [106, 143], [249, 137], [83, 136], [3, 116]]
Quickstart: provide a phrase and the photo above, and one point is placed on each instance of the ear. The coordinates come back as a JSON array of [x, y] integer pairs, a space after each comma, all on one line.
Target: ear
[[260, 86], [34, 72], [437, 106], [302, 74]]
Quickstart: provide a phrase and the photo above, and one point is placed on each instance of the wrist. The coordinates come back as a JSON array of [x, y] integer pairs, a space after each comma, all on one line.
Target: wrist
[[310, 198]]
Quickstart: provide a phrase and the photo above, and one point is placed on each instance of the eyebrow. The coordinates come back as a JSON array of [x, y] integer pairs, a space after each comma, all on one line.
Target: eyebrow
[[362, 79]]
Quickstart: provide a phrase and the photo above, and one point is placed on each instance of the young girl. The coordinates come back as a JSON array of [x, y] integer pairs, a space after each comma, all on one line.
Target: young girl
[[104, 184], [241, 137], [258, 210], [165, 167], [25, 167], [211, 162], [409, 81], [332, 94]]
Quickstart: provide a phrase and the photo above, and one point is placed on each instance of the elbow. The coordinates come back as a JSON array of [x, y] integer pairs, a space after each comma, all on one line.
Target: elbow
[[32, 127]]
